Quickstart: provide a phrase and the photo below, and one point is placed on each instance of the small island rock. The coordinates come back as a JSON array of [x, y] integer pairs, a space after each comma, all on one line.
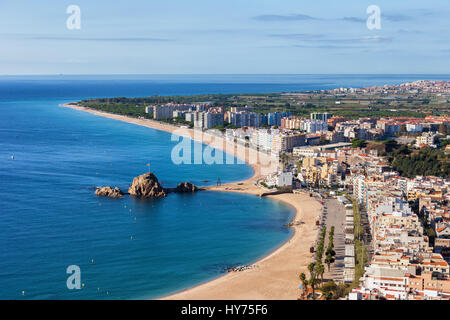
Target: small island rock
[[185, 187], [147, 186], [109, 192]]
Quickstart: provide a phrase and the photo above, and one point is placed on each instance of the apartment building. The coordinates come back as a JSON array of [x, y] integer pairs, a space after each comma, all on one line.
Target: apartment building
[[207, 120], [321, 116], [286, 142]]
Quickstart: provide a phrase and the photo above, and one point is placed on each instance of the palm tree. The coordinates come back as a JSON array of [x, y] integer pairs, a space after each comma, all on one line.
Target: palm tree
[[312, 282], [330, 252], [329, 260], [320, 269], [304, 281], [311, 268], [284, 159]]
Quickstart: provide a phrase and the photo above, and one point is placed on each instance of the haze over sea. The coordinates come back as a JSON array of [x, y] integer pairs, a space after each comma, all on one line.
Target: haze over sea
[[126, 248]]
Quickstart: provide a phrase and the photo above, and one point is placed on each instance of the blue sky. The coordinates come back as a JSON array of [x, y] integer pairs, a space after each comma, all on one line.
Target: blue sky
[[218, 36]]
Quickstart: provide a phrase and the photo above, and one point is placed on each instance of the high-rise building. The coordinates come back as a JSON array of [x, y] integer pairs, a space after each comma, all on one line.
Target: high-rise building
[[189, 116], [244, 119], [207, 120], [284, 142], [166, 111], [322, 116], [162, 112], [312, 126], [291, 123], [274, 118]]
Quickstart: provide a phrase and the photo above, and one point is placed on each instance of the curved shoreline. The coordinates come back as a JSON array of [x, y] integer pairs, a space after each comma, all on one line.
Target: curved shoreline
[[260, 162], [276, 274], [172, 296]]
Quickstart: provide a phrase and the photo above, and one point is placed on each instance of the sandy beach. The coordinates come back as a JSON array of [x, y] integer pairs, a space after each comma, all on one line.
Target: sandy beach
[[275, 277]]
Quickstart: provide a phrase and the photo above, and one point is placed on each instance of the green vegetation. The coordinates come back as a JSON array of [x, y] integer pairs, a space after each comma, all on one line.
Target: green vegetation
[[316, 269], [358, 228], [160, 99], [389, 145], [285, 158], [361, 261], [330, 253], [424, 162], [312, 278], [444, 143], [304, 281], [225, 126], [319, 270], [127, 109], [179, 121], [320, 246], [264, 184], [351, 106], [360, 248], [358, 143], [333, 291], [361, 258]]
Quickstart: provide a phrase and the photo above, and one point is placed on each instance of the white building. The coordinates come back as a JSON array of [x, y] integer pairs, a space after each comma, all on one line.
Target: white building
[[359, 188], [311, 126], [189, 116], [427, 138], [414, 127], [280, 179], [162, 112], [305, 151]]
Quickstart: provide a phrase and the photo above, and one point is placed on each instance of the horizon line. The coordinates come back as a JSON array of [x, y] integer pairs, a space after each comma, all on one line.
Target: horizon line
[[212, 74]]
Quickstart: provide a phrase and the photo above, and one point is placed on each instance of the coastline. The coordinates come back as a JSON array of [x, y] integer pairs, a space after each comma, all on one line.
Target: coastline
[[261, 163], [275, 276]]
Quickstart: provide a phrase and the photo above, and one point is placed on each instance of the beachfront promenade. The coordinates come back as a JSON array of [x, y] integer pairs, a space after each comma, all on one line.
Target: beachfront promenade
[[335, 216]]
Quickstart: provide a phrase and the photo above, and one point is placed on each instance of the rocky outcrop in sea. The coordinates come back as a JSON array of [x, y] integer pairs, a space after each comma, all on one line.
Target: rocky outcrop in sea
[[109, 192], [186, 187], [147, 186]]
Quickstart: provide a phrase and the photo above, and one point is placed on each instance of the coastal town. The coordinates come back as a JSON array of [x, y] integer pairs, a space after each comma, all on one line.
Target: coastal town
[[383, 182], [225, 159]]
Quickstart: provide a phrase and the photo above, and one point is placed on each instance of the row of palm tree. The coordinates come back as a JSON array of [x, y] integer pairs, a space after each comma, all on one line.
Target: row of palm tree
[[316, 269], [330, 253]]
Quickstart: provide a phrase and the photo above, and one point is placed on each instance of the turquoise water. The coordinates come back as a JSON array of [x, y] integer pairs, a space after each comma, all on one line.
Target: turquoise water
[[50, 218]]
